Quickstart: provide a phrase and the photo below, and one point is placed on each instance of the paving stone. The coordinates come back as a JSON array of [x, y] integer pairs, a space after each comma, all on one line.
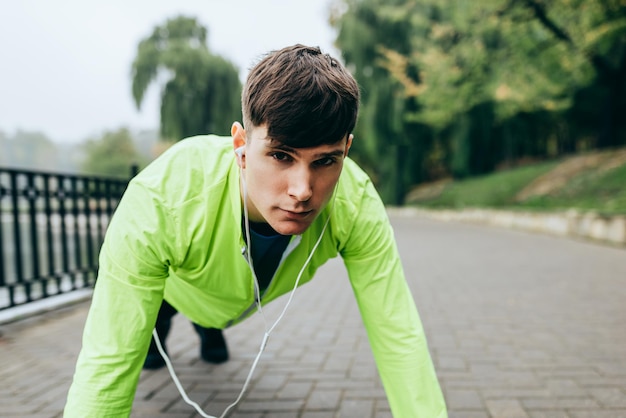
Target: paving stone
[[464, 399], [560, 403], [323, 400], [295, 390], [316, 414], [612, 397], [356, 408], [548, 414], [509, 408], [610, 413], [468, 414], [518, 326]]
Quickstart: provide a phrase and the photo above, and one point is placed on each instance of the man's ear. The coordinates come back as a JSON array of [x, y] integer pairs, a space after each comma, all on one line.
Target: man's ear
[[239, 143], [348, 145]]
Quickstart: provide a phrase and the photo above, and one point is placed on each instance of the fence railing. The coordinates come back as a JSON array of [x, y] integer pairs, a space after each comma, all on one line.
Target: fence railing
[[51, 228]]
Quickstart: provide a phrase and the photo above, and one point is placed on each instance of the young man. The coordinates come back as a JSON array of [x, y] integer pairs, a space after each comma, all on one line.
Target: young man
[[183, 228]]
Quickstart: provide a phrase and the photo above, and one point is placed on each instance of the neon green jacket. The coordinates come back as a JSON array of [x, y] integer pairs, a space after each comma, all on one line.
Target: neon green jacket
[[177, 234]]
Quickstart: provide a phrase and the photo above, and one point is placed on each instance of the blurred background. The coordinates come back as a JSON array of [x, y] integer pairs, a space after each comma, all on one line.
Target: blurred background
[[497, 103]]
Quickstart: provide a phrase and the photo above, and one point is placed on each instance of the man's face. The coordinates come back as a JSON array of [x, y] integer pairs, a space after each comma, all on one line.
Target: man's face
[[288, 187]]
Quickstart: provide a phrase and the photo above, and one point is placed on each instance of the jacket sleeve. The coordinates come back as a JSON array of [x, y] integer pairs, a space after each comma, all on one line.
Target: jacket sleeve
[[134, 259], [389, 314]]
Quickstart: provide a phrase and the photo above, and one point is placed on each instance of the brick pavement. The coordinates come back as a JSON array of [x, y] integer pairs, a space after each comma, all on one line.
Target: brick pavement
[[519, 325]]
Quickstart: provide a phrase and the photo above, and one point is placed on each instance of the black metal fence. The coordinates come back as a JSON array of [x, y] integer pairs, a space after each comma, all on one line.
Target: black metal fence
[[51, 229]]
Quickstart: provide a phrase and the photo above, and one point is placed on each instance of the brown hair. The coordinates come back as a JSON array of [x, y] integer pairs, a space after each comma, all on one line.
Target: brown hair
[[305, 98]]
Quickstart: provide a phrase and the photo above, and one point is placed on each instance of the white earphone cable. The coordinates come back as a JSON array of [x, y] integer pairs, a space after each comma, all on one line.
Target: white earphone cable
[[267, 333]]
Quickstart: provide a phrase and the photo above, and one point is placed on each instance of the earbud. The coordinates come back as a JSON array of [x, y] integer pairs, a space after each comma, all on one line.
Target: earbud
[[239, 151]]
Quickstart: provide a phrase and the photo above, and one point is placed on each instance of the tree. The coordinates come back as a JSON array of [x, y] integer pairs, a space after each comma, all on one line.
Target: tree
[[481, 67], [201, 93], [525, 56], [111, 155], [492, 81], [390, 147]]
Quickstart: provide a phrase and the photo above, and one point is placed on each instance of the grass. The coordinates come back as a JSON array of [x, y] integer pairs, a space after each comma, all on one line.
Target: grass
[[591, 188], [603, 193], [495, 190]]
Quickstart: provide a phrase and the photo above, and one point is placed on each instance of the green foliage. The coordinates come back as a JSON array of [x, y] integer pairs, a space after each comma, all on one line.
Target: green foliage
[[464, 87], [201, 93], [389, 146], [525, 55], [111, 155], [603, 192]]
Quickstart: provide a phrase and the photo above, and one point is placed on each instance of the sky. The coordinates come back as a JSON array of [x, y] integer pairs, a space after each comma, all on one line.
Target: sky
[[65, 65]]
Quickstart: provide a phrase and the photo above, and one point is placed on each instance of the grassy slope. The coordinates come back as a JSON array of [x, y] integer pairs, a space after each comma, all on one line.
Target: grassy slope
[[591, 182]]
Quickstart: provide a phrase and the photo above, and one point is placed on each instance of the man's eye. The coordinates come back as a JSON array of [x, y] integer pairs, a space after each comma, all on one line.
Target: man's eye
[[325, 162], [280, 156]]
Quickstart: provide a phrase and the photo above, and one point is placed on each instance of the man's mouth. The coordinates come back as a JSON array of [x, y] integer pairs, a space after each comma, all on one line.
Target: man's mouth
[[299, 214]]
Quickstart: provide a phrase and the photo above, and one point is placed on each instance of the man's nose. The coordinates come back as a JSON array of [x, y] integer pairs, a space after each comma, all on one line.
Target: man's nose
[[300, 185]]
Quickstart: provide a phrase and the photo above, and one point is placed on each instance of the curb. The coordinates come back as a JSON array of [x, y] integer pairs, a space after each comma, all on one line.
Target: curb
[[52, 303], [572, 224]]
